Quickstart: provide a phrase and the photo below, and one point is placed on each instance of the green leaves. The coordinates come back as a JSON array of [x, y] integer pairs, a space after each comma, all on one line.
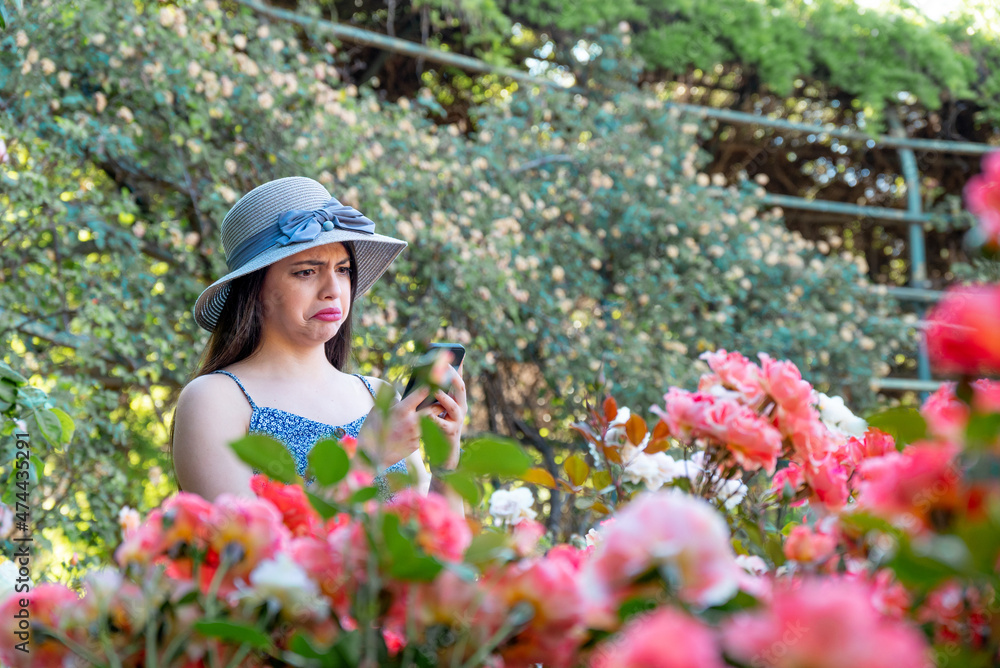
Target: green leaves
[[267, 456], [329, 462], [905, 425], [403, 559], [233, 632], [494, 457]]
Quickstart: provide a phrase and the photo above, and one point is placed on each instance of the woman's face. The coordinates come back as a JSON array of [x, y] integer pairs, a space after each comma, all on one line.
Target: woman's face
[[307, 297]]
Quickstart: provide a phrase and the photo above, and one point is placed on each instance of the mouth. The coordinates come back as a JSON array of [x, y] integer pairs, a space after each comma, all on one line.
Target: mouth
[[329, 315]]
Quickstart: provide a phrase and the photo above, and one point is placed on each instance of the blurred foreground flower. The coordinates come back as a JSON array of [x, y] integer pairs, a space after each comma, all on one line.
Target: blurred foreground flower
[[964, 331], [982, 196]]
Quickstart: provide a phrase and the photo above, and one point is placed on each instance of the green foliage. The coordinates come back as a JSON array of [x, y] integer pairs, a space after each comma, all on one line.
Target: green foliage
[[569, 244]]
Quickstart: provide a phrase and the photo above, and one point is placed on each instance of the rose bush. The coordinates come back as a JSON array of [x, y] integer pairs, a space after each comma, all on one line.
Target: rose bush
[[891, 556]]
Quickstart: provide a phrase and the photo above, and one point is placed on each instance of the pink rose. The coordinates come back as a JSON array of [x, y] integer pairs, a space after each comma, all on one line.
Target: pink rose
[[982, 197], [782, 381], [53, 606], [683, 411], [246, 531], [664, 529], [441, 532], [964, 331], [874, 444], [790, 477], [526, 535], [807, 546], [297, 513], [734, 372], [822, 623], [664, 638], [337, 563], [753, 442], [908, 487], [551, 585], [828, 480]]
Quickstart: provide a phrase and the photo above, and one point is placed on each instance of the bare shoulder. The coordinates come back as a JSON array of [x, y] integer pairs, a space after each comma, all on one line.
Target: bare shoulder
[[378, 383], [213, 391], [211, 413]]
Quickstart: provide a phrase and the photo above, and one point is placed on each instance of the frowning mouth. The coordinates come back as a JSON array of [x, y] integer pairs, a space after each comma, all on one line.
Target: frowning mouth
[[329, 315]]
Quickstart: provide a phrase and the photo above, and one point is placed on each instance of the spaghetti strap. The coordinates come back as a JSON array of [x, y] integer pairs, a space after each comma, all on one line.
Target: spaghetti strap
[[253, 406], [365, 381]]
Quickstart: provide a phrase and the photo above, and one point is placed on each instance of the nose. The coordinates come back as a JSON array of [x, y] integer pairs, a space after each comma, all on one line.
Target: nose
[[330, 288]]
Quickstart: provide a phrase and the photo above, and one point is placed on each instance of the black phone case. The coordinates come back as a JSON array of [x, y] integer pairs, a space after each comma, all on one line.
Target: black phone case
[[459, 352]]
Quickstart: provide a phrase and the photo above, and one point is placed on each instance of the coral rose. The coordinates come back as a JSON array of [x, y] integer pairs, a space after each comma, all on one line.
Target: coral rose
[[964, 331], [664, 638], [822, 623], [671, 531]]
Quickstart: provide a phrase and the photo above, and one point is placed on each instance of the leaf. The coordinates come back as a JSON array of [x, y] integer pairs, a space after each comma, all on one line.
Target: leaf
[[267, 456], [538, 476], [3, 15], [612, 453], [942, 558], [7, 373], [584, 430], [405, 561], [601, 480], [232, 631], [600, 507], [905, 425], [660, 430], [66, 425], [657, 445], [31, 397], [435, 444], [362, 495], [49, 425], [465, 485], [576, 469], [329, 462], [486, 547], [325, 509], [8, 394], [636, 429], [494, 457], [610, 409], [982, 430]]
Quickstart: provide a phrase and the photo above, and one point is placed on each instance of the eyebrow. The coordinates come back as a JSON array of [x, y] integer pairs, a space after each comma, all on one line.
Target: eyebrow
[[319, 263]]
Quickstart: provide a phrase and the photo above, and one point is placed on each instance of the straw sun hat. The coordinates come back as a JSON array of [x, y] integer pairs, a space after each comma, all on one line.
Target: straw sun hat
[[284, 217]]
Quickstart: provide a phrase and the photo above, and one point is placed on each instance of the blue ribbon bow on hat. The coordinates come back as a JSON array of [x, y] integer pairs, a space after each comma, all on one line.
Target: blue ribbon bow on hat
[[298, 225]]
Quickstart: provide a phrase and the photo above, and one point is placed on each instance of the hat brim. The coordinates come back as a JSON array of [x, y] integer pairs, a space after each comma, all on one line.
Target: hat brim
[[373, 253]]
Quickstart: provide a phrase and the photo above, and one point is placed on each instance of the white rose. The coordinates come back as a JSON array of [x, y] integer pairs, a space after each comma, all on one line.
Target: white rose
[[512, 505], [8, 576], [284, 581], [752, 564], [838, 417]]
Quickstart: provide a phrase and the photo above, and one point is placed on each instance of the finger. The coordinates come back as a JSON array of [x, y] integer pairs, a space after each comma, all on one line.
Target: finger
[[448, 404], [414, 398]]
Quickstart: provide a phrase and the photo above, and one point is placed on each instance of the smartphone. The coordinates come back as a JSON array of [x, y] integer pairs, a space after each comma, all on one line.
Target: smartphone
[[421, 370]]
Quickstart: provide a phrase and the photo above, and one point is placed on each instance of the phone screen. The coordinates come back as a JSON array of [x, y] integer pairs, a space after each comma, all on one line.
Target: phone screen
[[421, 370]]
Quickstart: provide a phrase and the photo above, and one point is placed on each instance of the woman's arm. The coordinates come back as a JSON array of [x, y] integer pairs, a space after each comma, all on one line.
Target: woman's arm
[[211, 413]]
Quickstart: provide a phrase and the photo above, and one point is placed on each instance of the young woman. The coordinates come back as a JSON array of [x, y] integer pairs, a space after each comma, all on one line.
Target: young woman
[[281, 340]]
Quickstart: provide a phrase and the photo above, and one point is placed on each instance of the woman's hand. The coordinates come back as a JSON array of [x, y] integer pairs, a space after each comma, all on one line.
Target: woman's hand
[[386, 441], [448, 413]]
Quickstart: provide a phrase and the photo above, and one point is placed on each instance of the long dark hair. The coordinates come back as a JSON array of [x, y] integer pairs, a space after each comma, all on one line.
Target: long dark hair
[[238, 332]]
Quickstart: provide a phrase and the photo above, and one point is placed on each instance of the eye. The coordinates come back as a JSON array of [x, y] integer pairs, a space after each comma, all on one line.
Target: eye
[[304, 272], [344, 269]]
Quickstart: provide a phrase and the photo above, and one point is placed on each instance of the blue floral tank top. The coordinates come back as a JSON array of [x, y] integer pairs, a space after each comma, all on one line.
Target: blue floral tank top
[[300, 434]]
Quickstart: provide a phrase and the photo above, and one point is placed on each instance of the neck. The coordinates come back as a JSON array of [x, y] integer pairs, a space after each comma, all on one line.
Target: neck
[[279, 357]]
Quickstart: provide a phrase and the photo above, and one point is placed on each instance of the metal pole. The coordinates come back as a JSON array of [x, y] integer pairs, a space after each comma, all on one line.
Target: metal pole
[[918, 253], [877, 212]]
